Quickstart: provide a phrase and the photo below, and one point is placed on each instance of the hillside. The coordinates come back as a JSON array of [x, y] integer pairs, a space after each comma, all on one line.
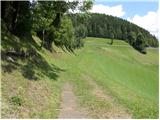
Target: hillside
[[31, 88], [92, 66], [107, 26]]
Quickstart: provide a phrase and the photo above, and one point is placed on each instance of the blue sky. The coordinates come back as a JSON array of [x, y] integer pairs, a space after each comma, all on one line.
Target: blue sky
[[144, 13], [131, 8]]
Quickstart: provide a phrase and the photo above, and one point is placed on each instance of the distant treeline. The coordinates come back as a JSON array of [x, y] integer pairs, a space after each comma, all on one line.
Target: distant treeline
[[106, 26]]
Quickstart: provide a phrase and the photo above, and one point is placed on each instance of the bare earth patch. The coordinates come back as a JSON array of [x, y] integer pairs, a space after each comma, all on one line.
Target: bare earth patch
[[69, 107], [116, 110]]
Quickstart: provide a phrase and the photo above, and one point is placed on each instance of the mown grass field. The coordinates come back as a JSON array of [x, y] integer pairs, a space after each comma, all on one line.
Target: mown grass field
[[128, 76]]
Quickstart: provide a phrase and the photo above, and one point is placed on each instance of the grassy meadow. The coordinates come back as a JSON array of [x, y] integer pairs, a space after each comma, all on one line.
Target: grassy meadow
[[129, 77]]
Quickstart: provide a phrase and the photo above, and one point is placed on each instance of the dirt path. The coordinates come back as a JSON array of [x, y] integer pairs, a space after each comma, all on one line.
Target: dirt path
[[116, 110], [69, 108], [101, 44]]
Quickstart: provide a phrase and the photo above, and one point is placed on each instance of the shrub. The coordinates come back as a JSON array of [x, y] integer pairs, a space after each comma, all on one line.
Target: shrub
[[15, 100]]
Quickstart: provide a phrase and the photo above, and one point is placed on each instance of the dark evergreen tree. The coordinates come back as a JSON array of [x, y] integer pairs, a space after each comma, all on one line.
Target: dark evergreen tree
[[112, 37], [132, 38], [140, 43]]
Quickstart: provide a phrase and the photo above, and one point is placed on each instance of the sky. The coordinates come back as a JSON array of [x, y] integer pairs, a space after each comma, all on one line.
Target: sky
[[144, 13]]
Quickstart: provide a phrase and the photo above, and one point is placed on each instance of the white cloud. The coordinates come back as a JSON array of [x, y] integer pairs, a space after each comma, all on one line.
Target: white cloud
[[148, 22], [109, 10]]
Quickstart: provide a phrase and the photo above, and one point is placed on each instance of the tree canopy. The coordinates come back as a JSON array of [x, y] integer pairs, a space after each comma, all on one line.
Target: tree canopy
[[47, 19]]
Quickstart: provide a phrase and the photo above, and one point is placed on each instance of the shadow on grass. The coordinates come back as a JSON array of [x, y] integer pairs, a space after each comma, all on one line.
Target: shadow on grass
[[109, 43], [30, 63], [34, 67], [8, 68], [9, 40], [38, 63]]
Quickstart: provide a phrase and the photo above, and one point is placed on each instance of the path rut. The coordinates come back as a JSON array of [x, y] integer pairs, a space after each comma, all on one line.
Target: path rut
[[69, 107]]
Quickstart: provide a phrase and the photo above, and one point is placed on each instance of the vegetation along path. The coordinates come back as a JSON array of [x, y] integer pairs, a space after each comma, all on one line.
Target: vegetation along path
[[47, 48], [116, 110]]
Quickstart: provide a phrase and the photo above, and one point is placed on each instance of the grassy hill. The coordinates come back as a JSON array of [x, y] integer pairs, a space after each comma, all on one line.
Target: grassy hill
[[128, 76]]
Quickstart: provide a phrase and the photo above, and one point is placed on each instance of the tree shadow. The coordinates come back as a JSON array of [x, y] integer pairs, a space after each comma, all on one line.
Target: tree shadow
[[109, 43], [8, 68], [21, 53], [28, 72], [34, 67], [10, 63], [37, 63]]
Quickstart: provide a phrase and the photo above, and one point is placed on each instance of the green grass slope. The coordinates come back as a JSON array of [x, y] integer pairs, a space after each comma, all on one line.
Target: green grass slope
[[129, 77], [30, 88]]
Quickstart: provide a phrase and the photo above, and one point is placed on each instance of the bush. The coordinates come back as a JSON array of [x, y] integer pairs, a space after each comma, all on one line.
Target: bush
[[144, 51], [15, 100]]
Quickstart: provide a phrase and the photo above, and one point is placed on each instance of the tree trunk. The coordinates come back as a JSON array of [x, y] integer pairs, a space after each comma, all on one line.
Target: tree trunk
[[15, 15], [42, 39], [111, 41], [3, 10]]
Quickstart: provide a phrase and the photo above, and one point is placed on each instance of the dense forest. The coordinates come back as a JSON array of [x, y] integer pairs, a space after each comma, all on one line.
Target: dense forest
[[106, 26], [54, 22]]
